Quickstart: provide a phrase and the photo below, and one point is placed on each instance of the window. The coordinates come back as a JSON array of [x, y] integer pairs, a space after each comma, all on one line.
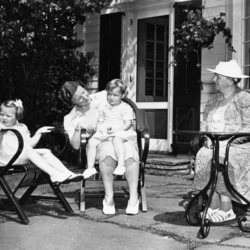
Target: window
[[152, 78], [247, 43]]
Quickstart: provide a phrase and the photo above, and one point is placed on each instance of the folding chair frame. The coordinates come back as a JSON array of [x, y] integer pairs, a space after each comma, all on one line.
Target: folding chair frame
[[33, 177]]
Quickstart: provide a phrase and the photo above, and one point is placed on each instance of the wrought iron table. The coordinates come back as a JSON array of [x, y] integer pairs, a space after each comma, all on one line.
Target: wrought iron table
[[202, 200]]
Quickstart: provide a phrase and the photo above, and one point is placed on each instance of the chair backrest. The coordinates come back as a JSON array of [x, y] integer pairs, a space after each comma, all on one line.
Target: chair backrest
[[141, 117]]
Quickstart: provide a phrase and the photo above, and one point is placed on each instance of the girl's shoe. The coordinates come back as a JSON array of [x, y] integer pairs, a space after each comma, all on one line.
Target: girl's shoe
[[73, 178], [222, 216], [210, 212], [107, 209], [89, 172], [60, 179], [133, 210]]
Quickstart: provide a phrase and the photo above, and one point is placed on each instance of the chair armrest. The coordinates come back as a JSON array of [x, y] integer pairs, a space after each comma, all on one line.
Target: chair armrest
[[18, 151], [145, 149], [83, 145], [58, 141]]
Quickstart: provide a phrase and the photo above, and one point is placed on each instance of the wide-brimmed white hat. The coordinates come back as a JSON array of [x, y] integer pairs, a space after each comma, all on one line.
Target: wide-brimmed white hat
[[230, 69]]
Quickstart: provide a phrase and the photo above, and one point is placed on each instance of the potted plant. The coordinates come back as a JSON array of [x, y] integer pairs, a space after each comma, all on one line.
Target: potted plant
[[198, 32]]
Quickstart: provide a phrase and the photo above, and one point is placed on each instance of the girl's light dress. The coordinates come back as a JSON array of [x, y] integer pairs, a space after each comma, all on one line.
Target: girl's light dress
[[231, 117], [113, 117]]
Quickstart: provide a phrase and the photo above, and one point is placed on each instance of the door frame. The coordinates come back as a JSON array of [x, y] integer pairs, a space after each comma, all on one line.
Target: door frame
[[129, 53]]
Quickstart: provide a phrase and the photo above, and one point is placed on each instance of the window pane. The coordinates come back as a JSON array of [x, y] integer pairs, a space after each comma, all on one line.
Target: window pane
[[159, 88], [160, 51], [150, 50], [149, 68], [160, 33], [159, 69], [150, 31], [149, 88]]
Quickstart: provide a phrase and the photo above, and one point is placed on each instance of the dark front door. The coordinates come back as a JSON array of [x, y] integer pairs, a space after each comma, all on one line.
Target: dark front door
[[187, 73]]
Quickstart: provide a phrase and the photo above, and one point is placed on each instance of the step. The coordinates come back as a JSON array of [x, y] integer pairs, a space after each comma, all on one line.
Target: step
[[165, 164]]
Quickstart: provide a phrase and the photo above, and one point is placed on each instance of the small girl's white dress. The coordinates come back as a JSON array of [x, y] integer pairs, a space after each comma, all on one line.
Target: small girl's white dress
[[113, 117]]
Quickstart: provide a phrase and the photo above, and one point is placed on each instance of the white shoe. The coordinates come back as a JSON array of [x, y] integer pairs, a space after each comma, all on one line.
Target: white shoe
[[210, 212], [133, 210], [222, 216], [89, 172], [107, 209], [120, 170], [60, 179]]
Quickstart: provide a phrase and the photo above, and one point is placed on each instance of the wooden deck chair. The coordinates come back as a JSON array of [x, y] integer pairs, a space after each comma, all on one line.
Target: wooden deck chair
[[32, 178], [94, 187]]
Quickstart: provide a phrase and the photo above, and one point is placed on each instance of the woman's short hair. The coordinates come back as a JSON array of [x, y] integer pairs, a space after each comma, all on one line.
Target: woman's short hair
[[116, 83], [15, 104], [68, 90]]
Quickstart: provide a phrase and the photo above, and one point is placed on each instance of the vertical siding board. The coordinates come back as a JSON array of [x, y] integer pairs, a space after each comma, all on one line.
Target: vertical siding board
[[211, 57]]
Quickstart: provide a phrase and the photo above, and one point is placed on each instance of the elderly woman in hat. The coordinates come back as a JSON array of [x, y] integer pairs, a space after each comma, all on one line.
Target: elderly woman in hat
[[84, 115], [227, 111]]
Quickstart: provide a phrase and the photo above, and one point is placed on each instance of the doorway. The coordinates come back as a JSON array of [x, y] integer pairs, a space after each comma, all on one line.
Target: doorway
[[152, 71], [187, 75]]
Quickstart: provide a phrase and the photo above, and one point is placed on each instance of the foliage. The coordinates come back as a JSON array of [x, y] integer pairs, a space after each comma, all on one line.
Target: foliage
[[198, 32], [39, 50]]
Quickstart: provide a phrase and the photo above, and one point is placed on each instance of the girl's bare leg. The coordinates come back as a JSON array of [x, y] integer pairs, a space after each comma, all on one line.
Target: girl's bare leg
[[91, 152], [119, 150], [38, 160], [53, 161], [107, 167], [91, 155]]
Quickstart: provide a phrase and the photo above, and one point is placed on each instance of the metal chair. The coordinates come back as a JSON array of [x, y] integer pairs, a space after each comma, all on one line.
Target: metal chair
[[94, 187]]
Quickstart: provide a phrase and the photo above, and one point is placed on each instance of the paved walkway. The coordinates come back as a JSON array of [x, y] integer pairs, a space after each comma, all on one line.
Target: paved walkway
[[164, 222]]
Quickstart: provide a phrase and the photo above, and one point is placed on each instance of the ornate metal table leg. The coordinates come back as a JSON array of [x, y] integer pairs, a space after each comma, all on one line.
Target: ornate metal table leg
[[195, 206], [235, 193], [205, 223]]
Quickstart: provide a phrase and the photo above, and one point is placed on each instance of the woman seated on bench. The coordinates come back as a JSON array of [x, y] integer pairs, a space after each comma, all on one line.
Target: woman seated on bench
[[10, 113], [84, 115], [229, 111]]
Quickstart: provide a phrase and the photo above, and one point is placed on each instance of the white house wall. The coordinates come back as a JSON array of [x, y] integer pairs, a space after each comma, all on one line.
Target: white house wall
[[91, 38], [136, 9]]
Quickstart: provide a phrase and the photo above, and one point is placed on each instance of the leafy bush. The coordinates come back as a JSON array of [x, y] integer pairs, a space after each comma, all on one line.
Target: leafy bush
[[39, 50]]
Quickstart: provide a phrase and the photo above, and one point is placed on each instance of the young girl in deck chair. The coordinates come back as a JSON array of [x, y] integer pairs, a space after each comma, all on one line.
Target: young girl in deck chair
[[10, 113], [114, 124]]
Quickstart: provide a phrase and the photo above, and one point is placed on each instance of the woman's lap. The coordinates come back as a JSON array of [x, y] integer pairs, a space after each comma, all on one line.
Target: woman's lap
[[106, 150], [238, 169]]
